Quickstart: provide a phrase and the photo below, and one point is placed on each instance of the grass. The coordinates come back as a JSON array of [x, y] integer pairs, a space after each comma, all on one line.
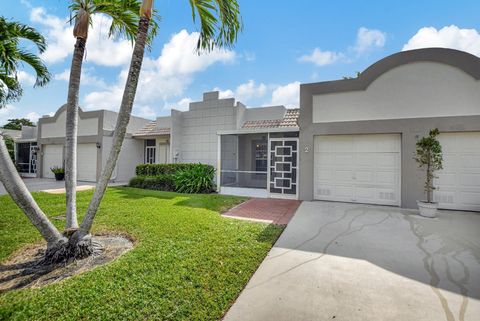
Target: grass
[[189, 262]]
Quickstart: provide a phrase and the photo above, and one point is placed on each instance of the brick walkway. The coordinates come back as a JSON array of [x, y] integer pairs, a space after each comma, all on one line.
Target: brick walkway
[[276, 211]]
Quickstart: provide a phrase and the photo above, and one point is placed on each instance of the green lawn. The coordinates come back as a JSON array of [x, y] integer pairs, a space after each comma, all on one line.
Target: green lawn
[[189, 262]]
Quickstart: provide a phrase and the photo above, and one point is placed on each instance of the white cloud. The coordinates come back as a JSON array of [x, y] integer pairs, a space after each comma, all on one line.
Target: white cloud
[[100, 50], [448, 37], [145, 112], [321, 58], [162, 78], [287, 95], [11, 111], [250, 90], [183, 104], [368, 39], [25, 78], [179, 56], [244, 92], [33, 116], [87, 78]]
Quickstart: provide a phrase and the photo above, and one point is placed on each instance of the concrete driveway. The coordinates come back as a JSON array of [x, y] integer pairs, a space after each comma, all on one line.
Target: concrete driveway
[[338, 261], [48, 184]]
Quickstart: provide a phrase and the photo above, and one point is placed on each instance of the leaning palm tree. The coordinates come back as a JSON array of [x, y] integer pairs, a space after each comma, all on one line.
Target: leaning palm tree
[[12, 56], [124, 16], [220, 23]]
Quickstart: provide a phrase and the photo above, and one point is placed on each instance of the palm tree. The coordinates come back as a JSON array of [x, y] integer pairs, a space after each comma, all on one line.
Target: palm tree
[[124, 23], [220, 23], [12, 56]]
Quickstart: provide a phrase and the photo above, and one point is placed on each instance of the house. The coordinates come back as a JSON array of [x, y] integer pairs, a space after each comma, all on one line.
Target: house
[[95, 135], [351, 140], [357, 136]]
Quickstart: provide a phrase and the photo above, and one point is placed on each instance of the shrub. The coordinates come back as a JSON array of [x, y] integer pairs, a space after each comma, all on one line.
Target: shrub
[[57, 170], [161, 169], [198, 179], [159, 182]]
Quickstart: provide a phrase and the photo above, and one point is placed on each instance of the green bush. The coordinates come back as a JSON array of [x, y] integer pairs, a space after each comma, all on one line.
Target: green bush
[[183, 178], [198, 179], [161, 169], [159, 182]]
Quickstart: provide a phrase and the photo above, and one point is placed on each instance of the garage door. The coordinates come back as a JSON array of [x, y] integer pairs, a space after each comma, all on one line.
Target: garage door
[[458, 184], [52, 156], [87, 162], [358, 168]]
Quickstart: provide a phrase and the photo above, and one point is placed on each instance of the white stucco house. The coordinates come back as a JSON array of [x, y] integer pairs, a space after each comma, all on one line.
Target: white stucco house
[[351, 140]]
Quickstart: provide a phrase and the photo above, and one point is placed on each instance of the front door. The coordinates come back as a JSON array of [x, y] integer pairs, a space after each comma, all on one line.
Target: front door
[[283, 167]]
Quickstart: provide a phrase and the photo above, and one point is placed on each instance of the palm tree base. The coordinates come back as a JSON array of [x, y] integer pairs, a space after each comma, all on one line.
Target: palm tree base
[[75, 248]]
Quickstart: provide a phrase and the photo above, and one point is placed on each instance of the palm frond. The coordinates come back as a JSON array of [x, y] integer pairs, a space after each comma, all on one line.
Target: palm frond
[[10, 89], [41, 71], [220, 23]]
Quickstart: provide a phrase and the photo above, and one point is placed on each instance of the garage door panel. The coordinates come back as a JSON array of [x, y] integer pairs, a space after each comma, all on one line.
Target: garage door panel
[[364, 176], [386, 178], [387, 160], [470, 180], [87, 162], [458, 184], [365, 168], [343, 176], [52, 156]]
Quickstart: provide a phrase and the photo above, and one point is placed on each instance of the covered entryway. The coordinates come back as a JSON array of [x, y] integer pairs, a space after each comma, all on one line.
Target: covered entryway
[[87, 162], [358, 168], [52, 156], [458, 184]]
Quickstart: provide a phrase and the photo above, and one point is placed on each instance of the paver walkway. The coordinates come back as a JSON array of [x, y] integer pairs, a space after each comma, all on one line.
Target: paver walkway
[[269, 210]]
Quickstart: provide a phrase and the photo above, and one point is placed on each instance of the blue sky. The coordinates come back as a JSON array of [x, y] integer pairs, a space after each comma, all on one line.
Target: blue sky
[[283, 43]]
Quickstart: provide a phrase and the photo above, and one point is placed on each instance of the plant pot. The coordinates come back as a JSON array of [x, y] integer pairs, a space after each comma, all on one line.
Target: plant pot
[[59, 176], [427, 209]]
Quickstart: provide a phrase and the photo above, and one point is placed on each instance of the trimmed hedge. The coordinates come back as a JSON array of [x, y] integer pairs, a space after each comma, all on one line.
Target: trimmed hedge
[[184, 178], [162, 169], [159, 182]]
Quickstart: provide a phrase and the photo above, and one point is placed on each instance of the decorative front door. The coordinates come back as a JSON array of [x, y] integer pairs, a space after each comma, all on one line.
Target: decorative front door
[[283, 167]]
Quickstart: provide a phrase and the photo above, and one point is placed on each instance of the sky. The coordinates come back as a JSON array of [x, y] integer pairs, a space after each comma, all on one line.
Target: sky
[[283, 44]]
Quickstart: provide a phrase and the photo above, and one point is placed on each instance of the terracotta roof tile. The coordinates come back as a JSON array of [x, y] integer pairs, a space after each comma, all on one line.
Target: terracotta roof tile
[[290, 120], [151, 129]]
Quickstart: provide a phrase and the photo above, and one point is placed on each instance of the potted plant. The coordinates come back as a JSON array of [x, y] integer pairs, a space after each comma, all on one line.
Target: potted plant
[[59, 172], [429, 157]]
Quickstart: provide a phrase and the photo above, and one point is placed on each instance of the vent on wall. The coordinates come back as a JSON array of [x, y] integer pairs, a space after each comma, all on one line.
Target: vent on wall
[[386, 196], [445, 198], [323, 191]]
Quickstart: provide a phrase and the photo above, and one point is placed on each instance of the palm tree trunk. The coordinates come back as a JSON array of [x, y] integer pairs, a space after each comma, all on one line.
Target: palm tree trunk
[[121, 125], [22, 197], [71, 126]]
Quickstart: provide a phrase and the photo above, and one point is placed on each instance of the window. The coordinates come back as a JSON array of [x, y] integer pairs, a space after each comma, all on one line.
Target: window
[[261, 155], [150, 151]]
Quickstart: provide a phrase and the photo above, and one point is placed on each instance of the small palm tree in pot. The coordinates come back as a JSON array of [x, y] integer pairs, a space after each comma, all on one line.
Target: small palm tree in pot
[[429, 157], [59, 172]]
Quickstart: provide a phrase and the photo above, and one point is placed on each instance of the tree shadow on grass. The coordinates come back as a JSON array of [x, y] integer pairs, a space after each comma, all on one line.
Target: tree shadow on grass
[[138, 193], [270, 233]]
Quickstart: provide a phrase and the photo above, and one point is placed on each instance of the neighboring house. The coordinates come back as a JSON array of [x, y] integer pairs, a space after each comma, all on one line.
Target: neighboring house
[[95, 135], [352, 140], [26, 151], [358, 135], [232, 138]]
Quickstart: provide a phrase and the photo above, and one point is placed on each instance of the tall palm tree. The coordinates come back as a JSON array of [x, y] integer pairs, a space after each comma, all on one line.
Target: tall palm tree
[[12, 56], [124, 16], [220, 23]]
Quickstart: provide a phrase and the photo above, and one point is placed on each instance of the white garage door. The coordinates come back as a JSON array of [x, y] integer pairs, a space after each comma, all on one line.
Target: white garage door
[[458, 184], [87, 162], [52, 156], [358, 168]]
